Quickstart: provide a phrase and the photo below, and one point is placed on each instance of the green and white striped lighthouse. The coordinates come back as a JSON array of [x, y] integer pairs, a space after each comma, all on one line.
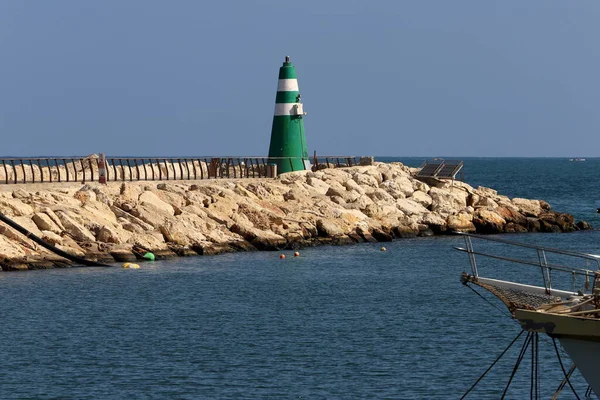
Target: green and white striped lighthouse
[[287, 135]]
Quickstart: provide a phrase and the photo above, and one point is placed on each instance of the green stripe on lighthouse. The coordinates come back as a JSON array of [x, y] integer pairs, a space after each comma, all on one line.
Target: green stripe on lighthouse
[[288, 143]]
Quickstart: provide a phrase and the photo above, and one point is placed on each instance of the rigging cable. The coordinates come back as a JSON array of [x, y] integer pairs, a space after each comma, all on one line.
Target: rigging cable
[[503, 312], [491, 366], [563, 369], [528, 339]]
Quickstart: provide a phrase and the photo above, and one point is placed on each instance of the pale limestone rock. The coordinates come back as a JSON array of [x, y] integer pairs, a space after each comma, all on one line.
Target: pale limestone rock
[[328, 228], [151, 215], [149, 198], [52, 238], [387, 210], [85, 194], [375, 173], [65, 200], [411, 207], [149, 240], [242, 191], [107, 234], [381, 197], [486, 192], [473, 199], [486, 202], [45, 223], [79, 232], [432, 219], [129, 193], [11, 250], [530, 208], [71, 250], [362, 202], [102, 196], [461, 222], [372, 210], [98, 212], [177, 231], [336, 189], [11, 233], [422, 198], [174, 199], [338, 175], [318, 185], [259, 189], [15, 207], [123, 215], [27, 223], [351, 185], [50, 213], [393, 188], [511, 214], [365, 180], [420, 186], [352, 217], [447, 201], [130, 226], [292, 177], [488, 221], [21, 195]]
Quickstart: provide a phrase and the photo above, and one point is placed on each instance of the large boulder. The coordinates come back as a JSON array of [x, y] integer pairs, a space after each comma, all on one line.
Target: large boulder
[[488, 221], [328, 228], [448, 201], [461, 222], [529, 208], [45, 223], [15, 207], [75, 229]]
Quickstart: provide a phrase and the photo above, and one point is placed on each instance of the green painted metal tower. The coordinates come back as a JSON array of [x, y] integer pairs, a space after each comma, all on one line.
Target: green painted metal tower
[[288, 143]]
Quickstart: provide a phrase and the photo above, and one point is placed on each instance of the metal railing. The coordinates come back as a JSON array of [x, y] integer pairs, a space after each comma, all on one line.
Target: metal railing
[[85, 169], [505, 251]]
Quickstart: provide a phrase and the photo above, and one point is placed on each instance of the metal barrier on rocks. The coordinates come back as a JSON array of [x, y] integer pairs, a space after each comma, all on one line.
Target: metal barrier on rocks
[[110, 169]]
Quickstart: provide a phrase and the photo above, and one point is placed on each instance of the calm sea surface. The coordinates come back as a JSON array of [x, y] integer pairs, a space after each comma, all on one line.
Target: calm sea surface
[[335, 323]]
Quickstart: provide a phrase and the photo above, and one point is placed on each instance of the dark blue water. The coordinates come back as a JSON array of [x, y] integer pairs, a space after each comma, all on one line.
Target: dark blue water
[[336, 323]]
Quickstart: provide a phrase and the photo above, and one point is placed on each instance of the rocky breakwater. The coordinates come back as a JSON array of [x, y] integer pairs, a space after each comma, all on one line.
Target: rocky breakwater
[[342, 205]]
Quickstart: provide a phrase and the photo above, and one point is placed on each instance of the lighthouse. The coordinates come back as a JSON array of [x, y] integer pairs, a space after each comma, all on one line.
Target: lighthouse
[[288, 142]]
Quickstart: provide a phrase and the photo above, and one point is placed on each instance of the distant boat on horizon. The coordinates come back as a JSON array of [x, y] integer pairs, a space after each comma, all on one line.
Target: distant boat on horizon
[[576, 159]]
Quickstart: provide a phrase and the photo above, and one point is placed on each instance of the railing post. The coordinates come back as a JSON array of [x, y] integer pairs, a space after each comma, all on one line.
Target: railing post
[[130, 171], [114, 164], [24, 173], [91, 169], [57, 169], [82, 170], [32, 171], [137, 169], [66, 168]]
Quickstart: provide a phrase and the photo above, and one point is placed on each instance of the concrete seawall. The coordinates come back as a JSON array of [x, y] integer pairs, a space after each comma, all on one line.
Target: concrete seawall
[[111, 222]]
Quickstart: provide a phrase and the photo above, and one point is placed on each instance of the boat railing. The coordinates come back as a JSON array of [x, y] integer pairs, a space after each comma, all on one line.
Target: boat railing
[[548, 260]]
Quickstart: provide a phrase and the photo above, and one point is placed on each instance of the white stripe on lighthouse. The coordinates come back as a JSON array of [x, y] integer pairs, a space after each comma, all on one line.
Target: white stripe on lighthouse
[[287, 85], [287, 109]]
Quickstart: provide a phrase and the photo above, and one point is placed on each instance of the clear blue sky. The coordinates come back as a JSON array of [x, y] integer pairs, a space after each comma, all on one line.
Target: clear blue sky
[[383, 78]]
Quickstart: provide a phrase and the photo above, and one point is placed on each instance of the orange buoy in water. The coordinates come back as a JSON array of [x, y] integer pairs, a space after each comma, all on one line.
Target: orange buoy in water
[[282, 256], [296, 254]]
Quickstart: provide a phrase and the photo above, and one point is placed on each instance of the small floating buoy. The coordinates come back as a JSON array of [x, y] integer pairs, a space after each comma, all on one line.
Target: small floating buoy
[[296, 254], [149, 256], [383, 249], [282, 256], [131, 265]]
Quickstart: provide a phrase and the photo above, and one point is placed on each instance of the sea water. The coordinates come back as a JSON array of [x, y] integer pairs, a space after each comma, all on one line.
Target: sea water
[[335, 323]]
